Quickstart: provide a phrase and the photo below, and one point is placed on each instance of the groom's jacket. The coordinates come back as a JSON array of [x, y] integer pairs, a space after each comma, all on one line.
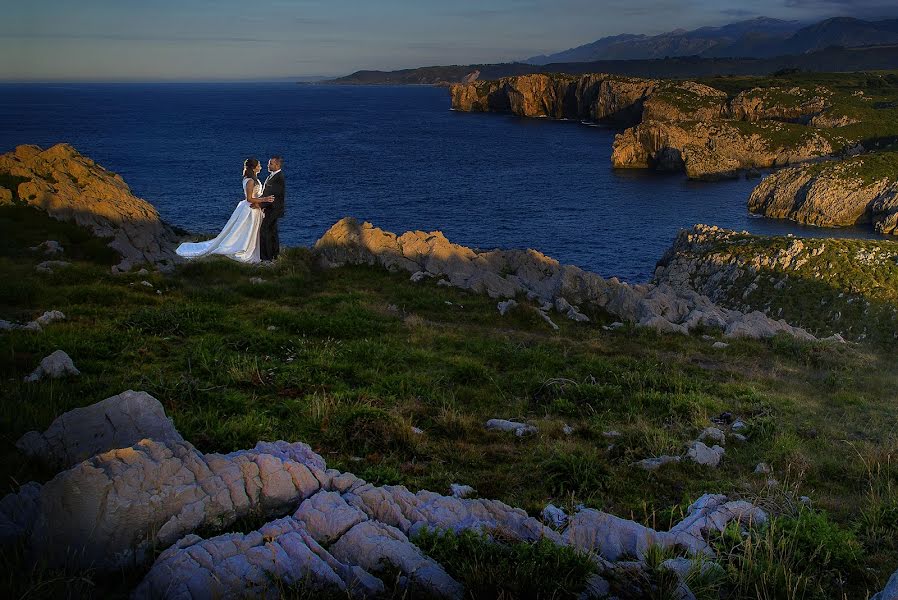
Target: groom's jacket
[[274, 186]]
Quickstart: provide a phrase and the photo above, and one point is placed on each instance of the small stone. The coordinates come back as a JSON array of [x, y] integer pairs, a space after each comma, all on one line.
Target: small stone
[[738, 437], [48, 266], [444, 283], [146, 283], [143, 271], [48, 247], [256, 280], [611, 433], [418, 276], [458, 490], [57, 365], [720, 345], [506, 306], [417, 430], [805, 500], [567, 429], [739, 426], [651, 464], [519, 429], [554, 516], [613, 327], [763, 468], [596, 587], [545, 316], [272, 328], [701, 454], [713, 434]]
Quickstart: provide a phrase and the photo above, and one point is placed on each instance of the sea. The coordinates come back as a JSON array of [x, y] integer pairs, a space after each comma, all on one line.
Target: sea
[[398, 157]]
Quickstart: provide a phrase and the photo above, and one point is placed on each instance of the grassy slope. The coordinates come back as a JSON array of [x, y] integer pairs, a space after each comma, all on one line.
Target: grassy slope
[[347, 360]]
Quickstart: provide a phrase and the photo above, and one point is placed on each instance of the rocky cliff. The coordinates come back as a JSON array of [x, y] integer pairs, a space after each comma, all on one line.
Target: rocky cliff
[[596, 97], [714, 149], [72, 187], [829, 286], [681, 126], [861, 189]]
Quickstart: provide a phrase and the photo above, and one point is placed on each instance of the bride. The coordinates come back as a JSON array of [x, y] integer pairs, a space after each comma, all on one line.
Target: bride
[[239, 240]]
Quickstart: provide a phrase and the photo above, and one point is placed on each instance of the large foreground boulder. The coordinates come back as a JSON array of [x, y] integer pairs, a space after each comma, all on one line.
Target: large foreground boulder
[[117, 422], [72, 187], [508, 273]]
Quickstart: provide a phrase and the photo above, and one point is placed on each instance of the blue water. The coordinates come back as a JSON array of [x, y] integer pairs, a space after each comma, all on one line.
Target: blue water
[[396, 156]]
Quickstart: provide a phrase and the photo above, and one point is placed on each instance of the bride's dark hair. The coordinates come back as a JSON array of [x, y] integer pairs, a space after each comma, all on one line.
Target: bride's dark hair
[[249, 167]]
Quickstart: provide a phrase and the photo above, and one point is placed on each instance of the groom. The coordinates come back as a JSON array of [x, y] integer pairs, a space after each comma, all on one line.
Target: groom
[[269, 243]]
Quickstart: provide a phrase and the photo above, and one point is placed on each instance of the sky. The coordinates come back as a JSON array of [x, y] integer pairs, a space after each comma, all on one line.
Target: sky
[[98, 40]]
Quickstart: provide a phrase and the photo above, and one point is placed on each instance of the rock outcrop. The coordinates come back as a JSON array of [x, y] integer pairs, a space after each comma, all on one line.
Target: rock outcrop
[[837, 286], [831, 194], [72, 187], [114, 509], [508, 273]]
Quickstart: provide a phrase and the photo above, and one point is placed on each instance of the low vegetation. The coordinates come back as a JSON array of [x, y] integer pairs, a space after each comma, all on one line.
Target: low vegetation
[[349, 360]]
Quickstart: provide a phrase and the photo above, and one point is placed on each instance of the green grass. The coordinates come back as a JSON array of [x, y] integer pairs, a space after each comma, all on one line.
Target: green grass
[[489, 568], [348, 360]]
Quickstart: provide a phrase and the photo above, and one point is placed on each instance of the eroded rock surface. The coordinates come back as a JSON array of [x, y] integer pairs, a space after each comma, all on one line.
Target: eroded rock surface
[[507, 273], [114, 509], [72, 187]]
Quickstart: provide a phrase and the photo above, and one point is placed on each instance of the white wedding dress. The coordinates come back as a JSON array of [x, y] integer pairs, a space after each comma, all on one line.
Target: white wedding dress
[[239, 240]]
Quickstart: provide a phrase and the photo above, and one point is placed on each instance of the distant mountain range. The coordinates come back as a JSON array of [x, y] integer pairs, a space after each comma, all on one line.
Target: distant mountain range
[[755, 38]]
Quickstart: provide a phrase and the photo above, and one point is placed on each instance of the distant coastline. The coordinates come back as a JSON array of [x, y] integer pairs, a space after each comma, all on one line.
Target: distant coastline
[[863, 58]]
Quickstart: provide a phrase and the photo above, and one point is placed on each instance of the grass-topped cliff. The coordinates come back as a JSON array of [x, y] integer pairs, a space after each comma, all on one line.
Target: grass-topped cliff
[[714, 127], [827, 285], [350, 359]]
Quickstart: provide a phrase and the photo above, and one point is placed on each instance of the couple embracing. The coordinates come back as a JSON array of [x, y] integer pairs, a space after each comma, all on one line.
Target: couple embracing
[[251, 234]]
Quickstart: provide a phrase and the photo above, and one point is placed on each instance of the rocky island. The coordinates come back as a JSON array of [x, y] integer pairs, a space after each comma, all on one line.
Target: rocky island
[[388, 414]]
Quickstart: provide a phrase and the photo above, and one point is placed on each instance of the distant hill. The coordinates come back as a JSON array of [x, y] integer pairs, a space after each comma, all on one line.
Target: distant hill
[[755, 38], [831, 59]]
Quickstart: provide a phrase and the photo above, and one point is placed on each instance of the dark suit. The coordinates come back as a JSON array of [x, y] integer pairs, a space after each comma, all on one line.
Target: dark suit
[[269, 243]]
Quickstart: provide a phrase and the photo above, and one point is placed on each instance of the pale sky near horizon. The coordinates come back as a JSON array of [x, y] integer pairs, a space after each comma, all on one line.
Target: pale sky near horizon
[[230, 39]]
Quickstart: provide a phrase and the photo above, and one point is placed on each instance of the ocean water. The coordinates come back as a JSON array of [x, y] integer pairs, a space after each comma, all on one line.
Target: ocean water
[[395, 156]]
